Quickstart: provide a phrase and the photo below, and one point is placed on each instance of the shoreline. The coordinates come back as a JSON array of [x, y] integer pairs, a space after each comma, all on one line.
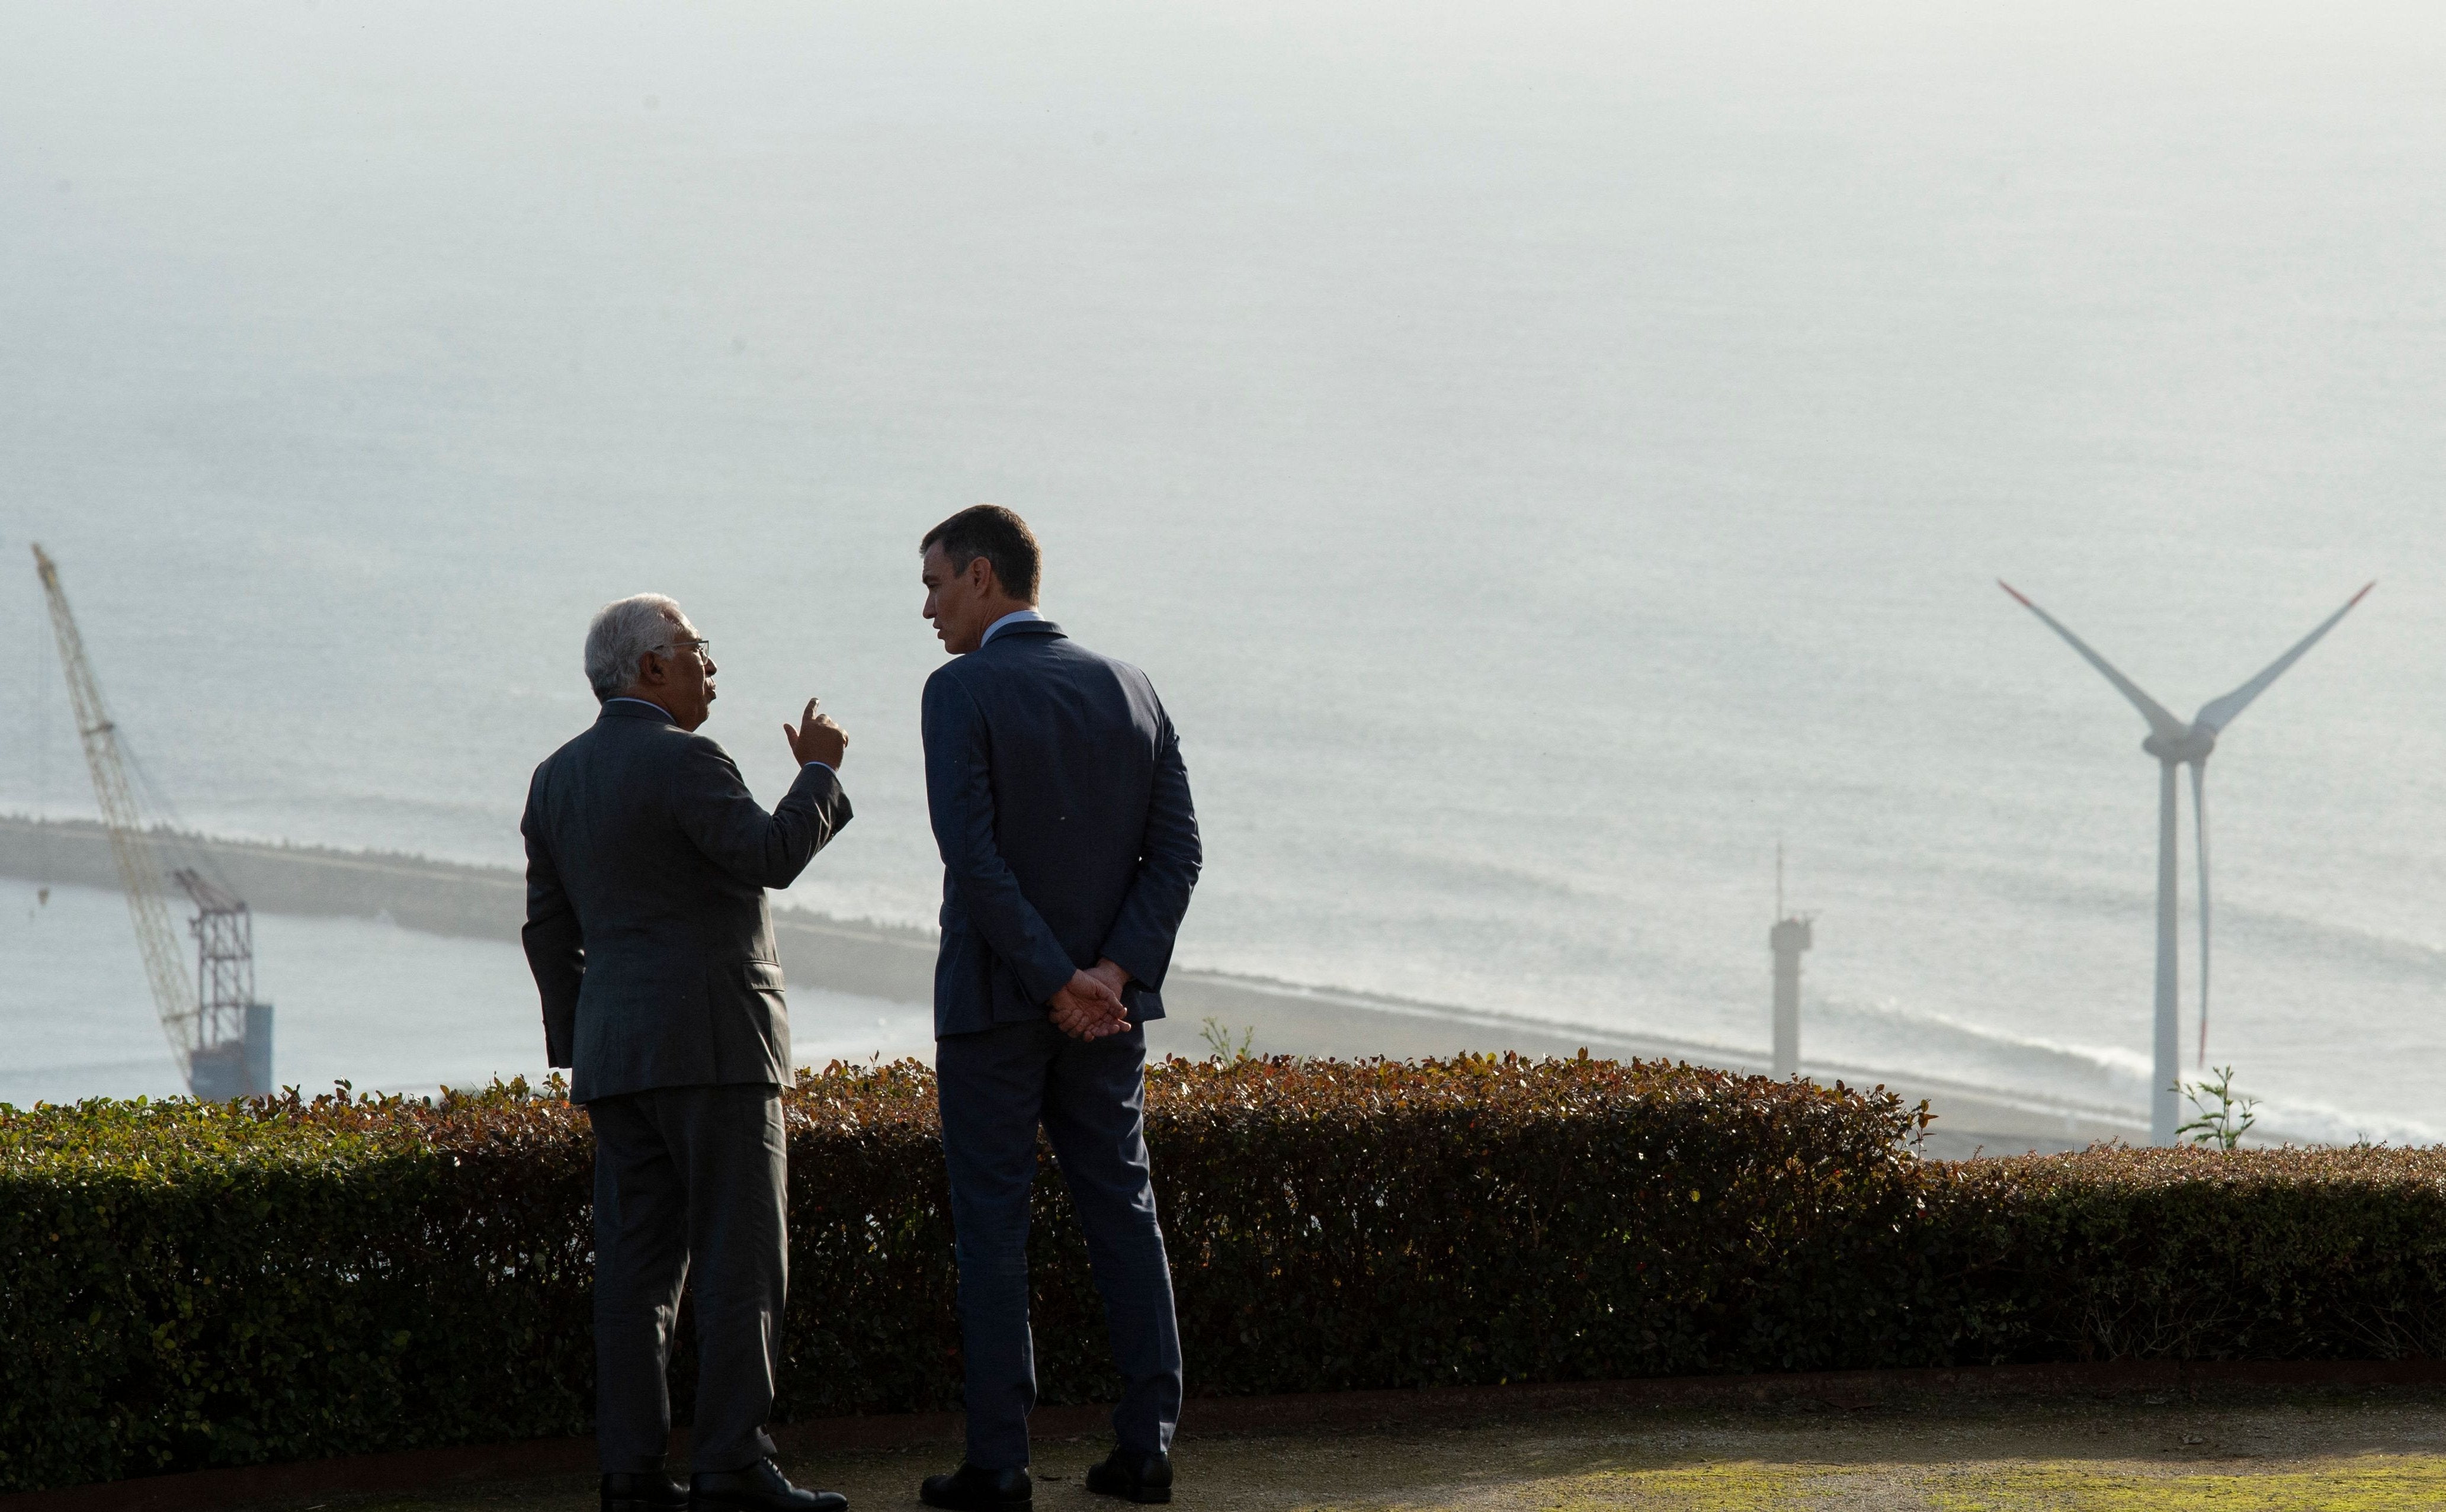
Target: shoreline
[[896, 964]]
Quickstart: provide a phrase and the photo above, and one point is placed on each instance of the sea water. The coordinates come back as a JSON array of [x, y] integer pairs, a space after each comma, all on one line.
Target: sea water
[[1547, 457]]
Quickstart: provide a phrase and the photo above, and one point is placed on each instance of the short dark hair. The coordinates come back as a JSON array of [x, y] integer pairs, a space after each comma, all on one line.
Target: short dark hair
[[998, 536]]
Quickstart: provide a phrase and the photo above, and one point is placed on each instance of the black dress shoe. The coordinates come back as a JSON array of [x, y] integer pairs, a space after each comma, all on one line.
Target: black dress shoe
[[1135, 1477], [969, 1489], [761, 1487], [646, 1491]]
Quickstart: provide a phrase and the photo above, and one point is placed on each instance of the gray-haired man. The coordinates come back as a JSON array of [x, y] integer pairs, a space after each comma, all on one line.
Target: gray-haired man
[[652, 948]]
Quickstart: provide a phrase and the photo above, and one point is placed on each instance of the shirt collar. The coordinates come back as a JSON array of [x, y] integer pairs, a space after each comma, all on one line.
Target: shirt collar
[[1014, 617]]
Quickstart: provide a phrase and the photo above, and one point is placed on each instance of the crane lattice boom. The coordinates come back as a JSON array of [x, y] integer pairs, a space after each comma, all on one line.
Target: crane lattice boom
[[140, 869]]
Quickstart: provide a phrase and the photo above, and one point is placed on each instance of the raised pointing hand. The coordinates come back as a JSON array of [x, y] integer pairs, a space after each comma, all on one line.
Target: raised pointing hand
[[816, 738]]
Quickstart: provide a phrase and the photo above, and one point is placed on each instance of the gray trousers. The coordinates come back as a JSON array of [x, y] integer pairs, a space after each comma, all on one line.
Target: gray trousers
[[997, 1087], [688, 1178]]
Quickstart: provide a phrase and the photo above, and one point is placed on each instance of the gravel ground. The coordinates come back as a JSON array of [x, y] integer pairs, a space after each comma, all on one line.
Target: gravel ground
[[2358, 1452]]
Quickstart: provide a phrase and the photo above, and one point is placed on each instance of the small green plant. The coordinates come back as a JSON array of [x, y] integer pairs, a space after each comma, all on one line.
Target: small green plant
[[2224, 1124], [1217, 1036]]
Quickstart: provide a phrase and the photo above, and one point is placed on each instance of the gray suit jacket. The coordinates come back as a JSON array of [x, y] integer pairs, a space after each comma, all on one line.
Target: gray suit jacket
[[647, 926]]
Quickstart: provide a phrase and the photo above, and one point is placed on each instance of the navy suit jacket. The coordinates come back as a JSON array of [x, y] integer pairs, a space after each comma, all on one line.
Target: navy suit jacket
[[1062, 809], [647, 926]]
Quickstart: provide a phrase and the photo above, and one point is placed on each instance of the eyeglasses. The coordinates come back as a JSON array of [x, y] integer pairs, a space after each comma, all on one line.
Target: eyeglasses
[[703, 648]]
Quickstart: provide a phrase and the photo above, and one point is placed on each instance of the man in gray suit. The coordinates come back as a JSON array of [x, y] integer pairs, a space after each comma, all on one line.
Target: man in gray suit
[[652, 948], [1069, 846]]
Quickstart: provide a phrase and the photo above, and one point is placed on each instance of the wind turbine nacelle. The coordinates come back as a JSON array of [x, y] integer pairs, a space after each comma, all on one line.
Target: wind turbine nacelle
[[2193, 744]]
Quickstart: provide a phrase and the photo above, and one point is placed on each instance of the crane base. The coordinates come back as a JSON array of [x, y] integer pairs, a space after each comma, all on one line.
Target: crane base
[[242, 1068]]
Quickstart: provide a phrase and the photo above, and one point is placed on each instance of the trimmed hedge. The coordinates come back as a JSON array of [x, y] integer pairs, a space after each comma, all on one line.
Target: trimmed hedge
[[184, 1285]]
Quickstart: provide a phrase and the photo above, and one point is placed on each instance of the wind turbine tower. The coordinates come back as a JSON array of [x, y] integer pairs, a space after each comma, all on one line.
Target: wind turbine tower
[[2176, 744]]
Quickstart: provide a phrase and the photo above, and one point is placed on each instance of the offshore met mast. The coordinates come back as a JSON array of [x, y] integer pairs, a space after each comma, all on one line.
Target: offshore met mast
[[220, 1036]]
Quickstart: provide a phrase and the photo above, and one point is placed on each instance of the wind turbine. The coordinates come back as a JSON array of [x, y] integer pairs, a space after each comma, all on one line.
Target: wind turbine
[[2174, 743]]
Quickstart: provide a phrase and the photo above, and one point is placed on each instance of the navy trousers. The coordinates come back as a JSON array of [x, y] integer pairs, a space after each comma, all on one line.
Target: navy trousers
[[997, 1087]]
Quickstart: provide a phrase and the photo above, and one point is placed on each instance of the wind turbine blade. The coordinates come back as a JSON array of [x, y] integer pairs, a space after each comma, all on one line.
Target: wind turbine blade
[[2161, 722], [2200, 828], [2218, 713]]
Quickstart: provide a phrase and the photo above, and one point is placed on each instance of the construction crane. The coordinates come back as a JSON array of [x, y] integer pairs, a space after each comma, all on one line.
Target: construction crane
[[220, 1036]]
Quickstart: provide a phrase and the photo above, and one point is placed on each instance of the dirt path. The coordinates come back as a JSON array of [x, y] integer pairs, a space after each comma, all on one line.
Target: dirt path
[[2372, 1452]]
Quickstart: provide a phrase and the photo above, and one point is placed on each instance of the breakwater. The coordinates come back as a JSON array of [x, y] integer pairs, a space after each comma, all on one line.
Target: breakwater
[[874, 960], [440, 897], [896, 964]]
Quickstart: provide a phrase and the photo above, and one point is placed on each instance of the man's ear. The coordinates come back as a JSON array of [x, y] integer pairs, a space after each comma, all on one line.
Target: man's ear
[[980, 574], [651, 670]]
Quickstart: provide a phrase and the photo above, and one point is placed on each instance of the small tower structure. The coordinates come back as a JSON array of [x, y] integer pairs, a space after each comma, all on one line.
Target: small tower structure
[[1789, 937]]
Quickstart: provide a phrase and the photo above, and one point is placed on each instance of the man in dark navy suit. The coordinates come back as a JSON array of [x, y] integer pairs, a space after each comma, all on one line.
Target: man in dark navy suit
[[1069, 847], [652, 948]]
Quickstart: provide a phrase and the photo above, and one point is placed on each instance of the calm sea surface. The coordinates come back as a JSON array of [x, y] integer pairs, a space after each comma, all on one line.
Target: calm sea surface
[[1546, 456]]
